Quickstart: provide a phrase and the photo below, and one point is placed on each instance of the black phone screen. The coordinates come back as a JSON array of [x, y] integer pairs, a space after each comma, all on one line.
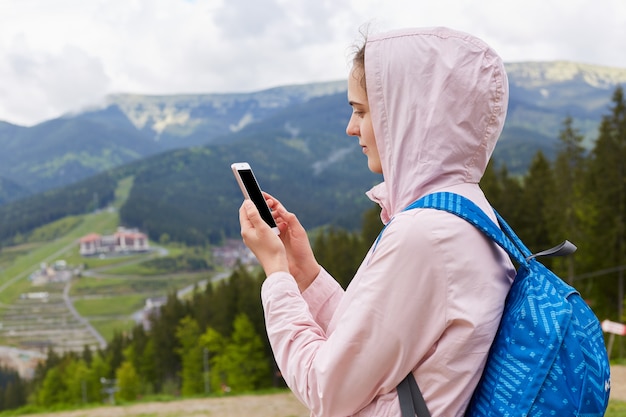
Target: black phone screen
[[254, 191]]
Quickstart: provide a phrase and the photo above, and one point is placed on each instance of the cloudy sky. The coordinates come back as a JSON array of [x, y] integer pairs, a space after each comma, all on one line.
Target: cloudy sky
[[60, 56]]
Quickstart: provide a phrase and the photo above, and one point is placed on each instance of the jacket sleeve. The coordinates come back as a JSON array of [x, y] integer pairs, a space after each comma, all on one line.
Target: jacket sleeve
[[322, 297], [376, 339]]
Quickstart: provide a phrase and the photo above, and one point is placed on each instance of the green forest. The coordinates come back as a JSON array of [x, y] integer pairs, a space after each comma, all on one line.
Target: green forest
[[215, 341]]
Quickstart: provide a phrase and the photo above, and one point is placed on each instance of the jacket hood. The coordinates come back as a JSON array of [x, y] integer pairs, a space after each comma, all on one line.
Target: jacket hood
[[438, 100]]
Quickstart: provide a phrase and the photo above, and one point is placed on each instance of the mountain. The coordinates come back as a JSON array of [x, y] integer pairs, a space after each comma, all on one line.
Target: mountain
[[191, 194], [10, 190], [131, 127], [542, 95], [179, 121], [179, 148]]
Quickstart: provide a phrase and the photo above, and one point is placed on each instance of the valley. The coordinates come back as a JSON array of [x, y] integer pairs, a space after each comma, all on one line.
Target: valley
[[99, 296]]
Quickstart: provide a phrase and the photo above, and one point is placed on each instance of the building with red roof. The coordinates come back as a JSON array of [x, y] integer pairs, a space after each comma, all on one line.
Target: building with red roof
[[122, 241]]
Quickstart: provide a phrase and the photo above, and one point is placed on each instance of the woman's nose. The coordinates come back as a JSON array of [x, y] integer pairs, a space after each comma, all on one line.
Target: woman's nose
[[352, 129]]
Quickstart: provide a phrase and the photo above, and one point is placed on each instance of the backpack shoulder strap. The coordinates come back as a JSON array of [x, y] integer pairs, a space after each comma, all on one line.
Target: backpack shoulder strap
[[467, 210], [504, 235]]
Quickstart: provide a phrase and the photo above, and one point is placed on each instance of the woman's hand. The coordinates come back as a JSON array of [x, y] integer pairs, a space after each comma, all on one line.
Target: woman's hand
[[261, 239], [302, 263]]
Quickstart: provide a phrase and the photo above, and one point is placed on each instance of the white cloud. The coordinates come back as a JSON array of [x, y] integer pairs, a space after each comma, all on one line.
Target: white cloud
[[60, 56]]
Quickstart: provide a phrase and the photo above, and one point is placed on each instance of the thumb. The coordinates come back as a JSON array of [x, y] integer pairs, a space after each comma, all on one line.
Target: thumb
[[253, 213]]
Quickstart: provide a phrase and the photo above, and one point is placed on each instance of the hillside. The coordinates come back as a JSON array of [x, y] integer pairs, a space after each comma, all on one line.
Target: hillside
[[195, 119], [293, 136], [191, 194], [101, 295], [131, 127]]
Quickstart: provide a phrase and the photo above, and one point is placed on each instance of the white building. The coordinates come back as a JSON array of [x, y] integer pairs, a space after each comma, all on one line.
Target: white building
[[122, 241]]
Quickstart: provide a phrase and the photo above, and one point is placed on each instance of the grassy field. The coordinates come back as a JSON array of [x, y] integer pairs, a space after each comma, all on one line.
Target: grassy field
[[616, 409], [122, 305]]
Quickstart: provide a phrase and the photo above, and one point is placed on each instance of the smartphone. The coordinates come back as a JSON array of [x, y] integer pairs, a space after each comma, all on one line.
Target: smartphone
[[250, 189]]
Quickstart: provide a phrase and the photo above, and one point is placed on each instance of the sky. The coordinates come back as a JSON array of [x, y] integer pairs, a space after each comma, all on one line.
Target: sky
[[61, 56]]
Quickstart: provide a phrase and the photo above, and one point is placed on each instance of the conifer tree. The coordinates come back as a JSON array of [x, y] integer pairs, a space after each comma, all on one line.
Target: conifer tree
[[190, 351], [127, 382], [538, 187], [247, 366], [504, 192], [165, 343], [140, 353], [13, 389], [239, 362], [98, 369], [490, 183], [14, 394], [224, 301], [371, 227], [565, 203], [53, 390], [215, 344], [76, 375], [340, 252], [607, 214]]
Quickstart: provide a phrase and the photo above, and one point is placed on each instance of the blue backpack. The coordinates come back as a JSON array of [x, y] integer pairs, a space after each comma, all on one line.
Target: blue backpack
[[548, 357]]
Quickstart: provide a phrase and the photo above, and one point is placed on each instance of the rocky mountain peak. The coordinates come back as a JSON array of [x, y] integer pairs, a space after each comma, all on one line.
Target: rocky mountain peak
[[541, 74]]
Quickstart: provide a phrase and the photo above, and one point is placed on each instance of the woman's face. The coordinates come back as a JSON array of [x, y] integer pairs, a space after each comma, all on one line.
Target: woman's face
[[360, 124]]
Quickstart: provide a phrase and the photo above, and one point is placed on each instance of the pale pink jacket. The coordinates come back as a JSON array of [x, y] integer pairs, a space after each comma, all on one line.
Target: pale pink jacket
[[429, 298]]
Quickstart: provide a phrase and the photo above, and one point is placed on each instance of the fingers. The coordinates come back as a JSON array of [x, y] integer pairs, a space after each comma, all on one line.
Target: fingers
[[288, 217], [272, 202], [284, 219], [279, 212]]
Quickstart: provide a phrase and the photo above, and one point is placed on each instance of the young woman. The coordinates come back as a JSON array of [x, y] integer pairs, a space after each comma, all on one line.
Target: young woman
[[428, 108]]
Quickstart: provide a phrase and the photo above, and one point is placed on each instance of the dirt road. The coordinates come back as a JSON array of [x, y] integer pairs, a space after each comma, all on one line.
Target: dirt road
[[618, 383], [274, 405]]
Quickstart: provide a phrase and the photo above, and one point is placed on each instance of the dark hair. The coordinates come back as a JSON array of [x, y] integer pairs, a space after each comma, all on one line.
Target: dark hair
[[358, 60]]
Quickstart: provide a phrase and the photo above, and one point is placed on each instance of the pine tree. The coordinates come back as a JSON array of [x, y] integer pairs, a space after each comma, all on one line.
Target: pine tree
[[98, 369], [165, 344], [141, 354], [239, 362], [247, 366], [565, 204], [504, 193], [127, 382], [215, 344], [76, 375], [490, 183], [606, 189], [340, 252], [190, 351], [538, 187], [53, 390], [371, 227]]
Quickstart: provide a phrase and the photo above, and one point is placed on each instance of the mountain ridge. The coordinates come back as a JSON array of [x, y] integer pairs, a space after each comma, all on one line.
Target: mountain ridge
[[529, 74], [131, 127], [166, 107], [536, 73], [183, 189]]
